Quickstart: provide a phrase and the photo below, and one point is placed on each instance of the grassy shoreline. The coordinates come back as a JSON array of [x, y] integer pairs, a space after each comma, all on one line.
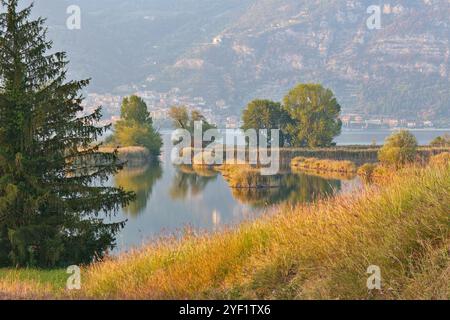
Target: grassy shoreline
[[357, 154], [321, 251], [132, 155], [301, 163], [32, 283]]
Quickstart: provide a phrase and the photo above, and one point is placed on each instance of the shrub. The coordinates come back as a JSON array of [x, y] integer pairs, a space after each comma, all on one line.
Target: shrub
[[399, 149], [441, 142]]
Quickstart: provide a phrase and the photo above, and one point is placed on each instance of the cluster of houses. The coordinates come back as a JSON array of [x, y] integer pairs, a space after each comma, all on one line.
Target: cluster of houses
[[160, 104], [356, 121]]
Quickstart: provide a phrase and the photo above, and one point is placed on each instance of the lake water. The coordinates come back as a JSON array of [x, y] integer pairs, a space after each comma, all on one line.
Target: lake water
[[358, 137], [171, 199]]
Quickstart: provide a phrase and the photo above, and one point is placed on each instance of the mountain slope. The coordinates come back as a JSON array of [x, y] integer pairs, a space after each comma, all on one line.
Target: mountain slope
[[237, 50]]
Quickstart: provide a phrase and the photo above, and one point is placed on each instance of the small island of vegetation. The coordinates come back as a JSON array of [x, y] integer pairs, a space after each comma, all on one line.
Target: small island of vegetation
[[134, 134]]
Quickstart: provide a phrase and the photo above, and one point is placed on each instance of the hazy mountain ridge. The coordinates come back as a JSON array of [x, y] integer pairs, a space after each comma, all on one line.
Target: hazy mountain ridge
[[239, 50]]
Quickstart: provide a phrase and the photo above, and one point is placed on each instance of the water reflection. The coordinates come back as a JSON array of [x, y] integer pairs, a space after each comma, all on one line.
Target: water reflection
[[190, 181], [141, 181], [171, 198], [293, 189]]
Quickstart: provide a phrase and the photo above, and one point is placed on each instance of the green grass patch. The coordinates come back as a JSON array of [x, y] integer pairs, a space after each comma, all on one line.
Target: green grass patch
[[55, 278]]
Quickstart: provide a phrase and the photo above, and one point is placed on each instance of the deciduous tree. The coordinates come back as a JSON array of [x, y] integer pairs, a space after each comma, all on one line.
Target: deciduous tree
[[314, 111], [266, 114]]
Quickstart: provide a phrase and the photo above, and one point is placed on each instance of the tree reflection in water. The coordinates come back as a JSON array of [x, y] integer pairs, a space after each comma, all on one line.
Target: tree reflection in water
[[294, 188], [190, 180], [141, 181]]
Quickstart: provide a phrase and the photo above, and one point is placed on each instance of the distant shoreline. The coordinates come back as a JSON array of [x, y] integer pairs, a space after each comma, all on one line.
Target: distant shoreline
[[168, 130], [396, 129]]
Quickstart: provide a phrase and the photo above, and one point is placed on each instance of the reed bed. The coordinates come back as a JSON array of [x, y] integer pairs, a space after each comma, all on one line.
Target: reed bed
[[201, 171], [132, 155], [327, 175], [247, 177], [325, 165], [357, 154], [440, 159]]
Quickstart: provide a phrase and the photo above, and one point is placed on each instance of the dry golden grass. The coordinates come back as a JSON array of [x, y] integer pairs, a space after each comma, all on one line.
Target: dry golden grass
[[440, 159], [132, 152], [244, 176], [430, 278], [24, 291], [366, 171], [327, 175], [303, 163], [376, 173], [201, 171], [321, 251], [129, 154], [31, 284]]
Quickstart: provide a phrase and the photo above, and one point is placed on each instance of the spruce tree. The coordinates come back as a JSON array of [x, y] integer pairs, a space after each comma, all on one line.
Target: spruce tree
[[53, 191]]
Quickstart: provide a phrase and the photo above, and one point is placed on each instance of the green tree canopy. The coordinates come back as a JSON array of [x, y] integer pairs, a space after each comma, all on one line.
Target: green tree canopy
[[266, 114], [49, 162], [135, 128], [129, 134], [400, 148], [135, 109], [314, 111]]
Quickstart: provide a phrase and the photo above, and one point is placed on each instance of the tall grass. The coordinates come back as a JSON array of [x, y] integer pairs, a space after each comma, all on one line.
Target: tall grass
[[132, 155], [305, 252], [31, 284], [440, 159], [327, 175], [323, 165], [244, 176], [356, 154]]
